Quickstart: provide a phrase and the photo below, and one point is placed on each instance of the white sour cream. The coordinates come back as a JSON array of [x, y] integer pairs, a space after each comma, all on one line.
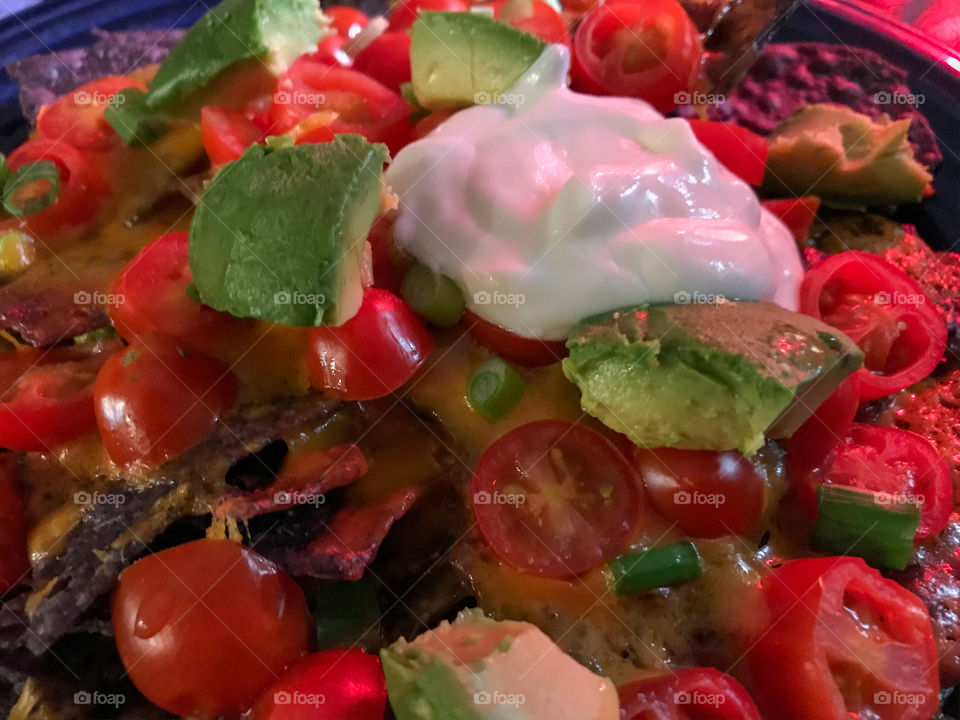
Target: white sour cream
[[548, 206]]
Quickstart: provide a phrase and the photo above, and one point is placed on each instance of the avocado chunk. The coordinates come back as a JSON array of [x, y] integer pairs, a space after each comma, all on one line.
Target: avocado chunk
[[477, 668], [459, 59], [134, 122], [279, 234], [848, 159], [706, 376], [275, 31]]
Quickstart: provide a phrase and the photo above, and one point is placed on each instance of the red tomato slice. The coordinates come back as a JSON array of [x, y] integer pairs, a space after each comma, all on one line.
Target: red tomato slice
[[203, 628], [828, 426], [226, 133], [153, 287], [77, 117], [898, 465], [386, 60], [648, 50], [373, 353], [797, 214], [47, 395], [363, 104], [555, 498], [330, 52], [327, 685], [542, 20], [527, 352], [346, 20], [154, 401], [691, 694], [404, 13], [708, 494], [426, 125], [387, 270], [82, 187], [14, 563], [742, 152], [842, 641], [884, 311]]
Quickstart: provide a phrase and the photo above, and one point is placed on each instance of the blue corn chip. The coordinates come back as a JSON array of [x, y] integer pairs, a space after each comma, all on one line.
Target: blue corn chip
[[43, 78]]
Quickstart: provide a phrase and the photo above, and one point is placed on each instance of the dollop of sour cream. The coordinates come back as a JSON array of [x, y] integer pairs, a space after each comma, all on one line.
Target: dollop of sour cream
[[547, 206]]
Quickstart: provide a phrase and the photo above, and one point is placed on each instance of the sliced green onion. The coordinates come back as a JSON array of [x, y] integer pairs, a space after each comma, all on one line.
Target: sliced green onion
[[134, 122], [4, 169], [654, 568], [433, 296], [346, 613], [495, 388], [853, 522], [104, 333], [23, 192]]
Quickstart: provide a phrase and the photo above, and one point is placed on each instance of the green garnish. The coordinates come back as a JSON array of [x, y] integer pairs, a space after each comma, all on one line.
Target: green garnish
[[104, 333], [4, 169], [654, 568], [854, 522], [434, 297], [495, 388], [135, 123], [31, 188]]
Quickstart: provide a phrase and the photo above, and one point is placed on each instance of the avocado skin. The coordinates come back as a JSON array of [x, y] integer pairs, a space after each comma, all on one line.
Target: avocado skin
[[277, 223], [706, 377], [458, 58], [228, 33], [424, 689]]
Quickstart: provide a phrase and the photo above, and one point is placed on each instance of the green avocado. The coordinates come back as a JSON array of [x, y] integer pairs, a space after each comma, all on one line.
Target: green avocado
[[848, 159], [134, 122], [706, 376], [279, 234], [459, 59], [276, 31]]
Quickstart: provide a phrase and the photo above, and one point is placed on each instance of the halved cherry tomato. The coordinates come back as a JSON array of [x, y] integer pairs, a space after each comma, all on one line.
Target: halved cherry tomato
[[77, 117], [14, 564], [386, 59], [535, 17], [82, 187], [327, 685], [528, 352], [797, 214], [824, 429], [898, 465], [426, 125], [364, 105], [404, 13], [46, 396], [347, 21], [690, 694], [330, 51], [226, 133], [741, 151], [555, 498], [842, 641], [203, 628], [884, 311], [154, 401], [153, 287], [373, 353], [648, 50], [708, 494]]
